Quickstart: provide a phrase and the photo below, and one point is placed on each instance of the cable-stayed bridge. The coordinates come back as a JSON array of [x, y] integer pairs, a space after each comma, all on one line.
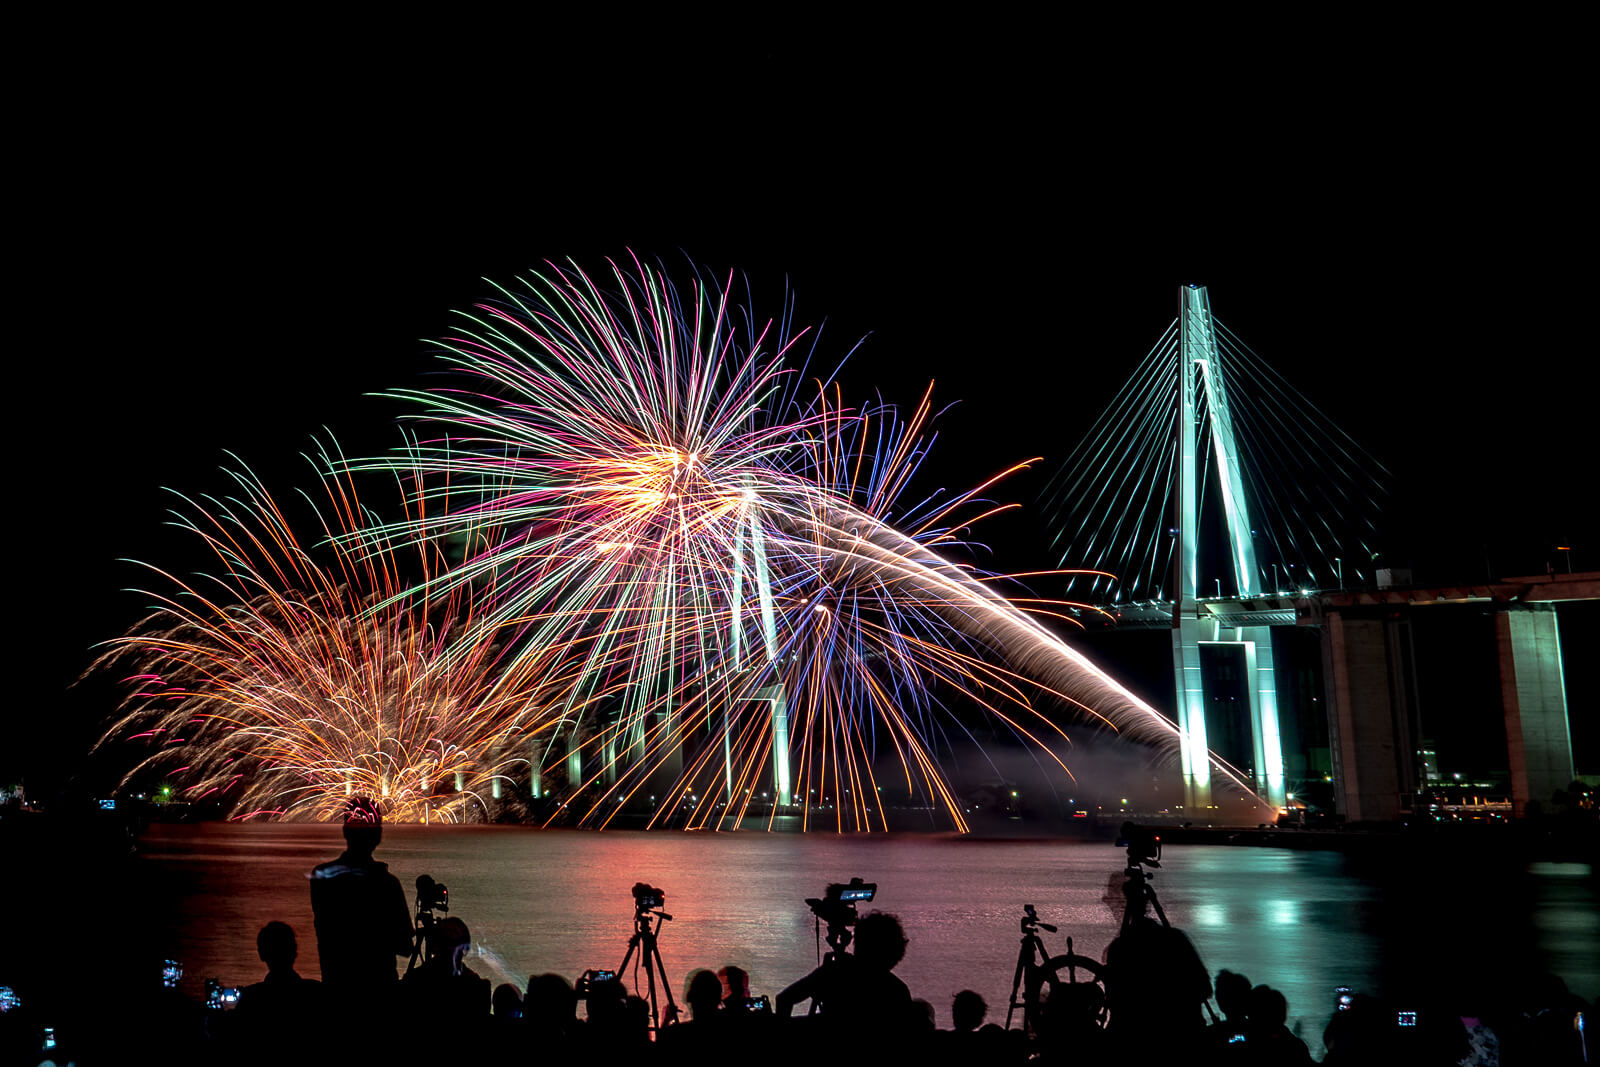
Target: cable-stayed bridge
[[1227, 504]]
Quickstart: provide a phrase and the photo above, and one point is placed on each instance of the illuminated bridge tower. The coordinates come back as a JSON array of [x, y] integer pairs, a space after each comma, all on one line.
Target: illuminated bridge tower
[[772, 695], [1201, 384]]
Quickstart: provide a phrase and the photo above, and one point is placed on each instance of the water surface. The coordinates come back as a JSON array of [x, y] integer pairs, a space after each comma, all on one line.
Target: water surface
[[560, 901]]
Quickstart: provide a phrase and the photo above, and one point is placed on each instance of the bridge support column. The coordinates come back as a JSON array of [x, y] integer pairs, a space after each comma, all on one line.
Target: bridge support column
[[782, 785], [574, 760], [1533, 694], [1261, 675], [1366, 671], [1193, 754]]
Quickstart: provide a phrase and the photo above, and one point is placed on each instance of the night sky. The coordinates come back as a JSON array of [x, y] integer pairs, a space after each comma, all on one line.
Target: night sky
[[227, 254]]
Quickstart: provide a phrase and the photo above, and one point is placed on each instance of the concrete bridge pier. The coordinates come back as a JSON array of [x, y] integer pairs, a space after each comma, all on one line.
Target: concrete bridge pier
[[1533, 693], [1366, 669]]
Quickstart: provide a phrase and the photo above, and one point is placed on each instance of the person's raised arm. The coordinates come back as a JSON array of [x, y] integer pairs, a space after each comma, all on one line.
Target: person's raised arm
[[803, 989]]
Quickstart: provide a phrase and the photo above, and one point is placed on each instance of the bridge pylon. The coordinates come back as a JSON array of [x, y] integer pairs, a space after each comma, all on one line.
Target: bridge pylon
[[1201, 378], [774, 695]]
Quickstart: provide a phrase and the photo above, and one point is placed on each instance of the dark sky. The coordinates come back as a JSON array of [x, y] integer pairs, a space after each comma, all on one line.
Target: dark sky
[[227, 253]]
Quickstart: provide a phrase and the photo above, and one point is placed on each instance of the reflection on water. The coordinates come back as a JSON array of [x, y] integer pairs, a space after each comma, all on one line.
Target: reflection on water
[[560, 901]]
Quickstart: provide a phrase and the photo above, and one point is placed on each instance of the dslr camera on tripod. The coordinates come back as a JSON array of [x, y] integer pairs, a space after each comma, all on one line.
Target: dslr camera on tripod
[[647, 897], [431, 897], [1142, 842]]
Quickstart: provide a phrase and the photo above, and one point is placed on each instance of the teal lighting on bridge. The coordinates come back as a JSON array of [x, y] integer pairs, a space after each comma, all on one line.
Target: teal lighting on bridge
[[1201, 381], [1295, 495]]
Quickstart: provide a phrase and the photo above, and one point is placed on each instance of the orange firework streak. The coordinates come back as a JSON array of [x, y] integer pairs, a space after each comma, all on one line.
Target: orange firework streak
[[288, 683]]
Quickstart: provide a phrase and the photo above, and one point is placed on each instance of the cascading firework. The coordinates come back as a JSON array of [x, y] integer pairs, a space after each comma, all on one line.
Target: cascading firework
[[285, 683]]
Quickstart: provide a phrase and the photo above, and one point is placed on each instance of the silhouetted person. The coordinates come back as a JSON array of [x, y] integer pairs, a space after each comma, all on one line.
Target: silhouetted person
[[1542, 1029], [1156, 988], [507, 1035], [550, 1016], [745, 1026], [616, 1032], [1361, 1035], [963, 1044], [1268, 1042], [967, 1009], [1225, 1038], [506, 1001], [736, 987], [1068, 1025], [361, 917], [703, 994], [861, 999], [444, 986], [705, 1034], [280, 1018]]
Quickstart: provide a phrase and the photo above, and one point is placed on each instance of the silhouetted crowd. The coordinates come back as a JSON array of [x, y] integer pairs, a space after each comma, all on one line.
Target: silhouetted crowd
[[1152, 1004]]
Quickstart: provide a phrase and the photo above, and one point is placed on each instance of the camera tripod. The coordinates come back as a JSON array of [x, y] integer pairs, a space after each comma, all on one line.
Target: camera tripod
[[1036, 968], [643, 941], [430, 896], [419, 938], [1137, 892]]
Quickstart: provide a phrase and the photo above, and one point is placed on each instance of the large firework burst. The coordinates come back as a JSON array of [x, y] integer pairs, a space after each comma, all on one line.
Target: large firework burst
[[699, 553], [293, 677]]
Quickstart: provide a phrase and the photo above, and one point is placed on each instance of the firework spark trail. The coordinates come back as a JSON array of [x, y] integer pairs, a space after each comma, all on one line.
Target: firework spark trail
[[285, 684], [666, 522]]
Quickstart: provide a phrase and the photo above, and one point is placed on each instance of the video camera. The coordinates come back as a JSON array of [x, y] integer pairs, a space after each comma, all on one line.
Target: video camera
[[431, 896], [647, 897], [753, 1006], [1142, 842], [837, 906]]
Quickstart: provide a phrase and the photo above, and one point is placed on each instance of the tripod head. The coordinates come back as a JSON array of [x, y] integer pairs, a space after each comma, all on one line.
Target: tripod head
[[1031, 924], [837, 908], [647, 901], [1143, 845]]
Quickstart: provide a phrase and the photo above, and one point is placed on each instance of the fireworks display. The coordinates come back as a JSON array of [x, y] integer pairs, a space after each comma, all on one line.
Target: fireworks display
[[688, 585], [287, 684]]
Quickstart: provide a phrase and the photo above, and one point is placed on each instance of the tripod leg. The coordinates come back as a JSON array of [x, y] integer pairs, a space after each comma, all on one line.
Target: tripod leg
[[666, 987], [1023, 955], [650, 986], [633, 943], [1155, 903]]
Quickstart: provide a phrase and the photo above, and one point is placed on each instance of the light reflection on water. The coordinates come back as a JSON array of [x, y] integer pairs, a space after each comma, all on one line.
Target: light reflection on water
[[560, 901]]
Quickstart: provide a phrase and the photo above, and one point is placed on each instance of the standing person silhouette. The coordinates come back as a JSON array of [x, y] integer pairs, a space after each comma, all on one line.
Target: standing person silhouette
[[361, 916]]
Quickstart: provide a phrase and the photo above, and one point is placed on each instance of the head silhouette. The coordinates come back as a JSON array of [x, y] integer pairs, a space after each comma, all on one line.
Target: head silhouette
[[276, 946], [1233, 994], [550, 1002], [736, 980], [450, 939], [880, 941], [363, 825], [507, 1001], [967, 1010], [1268, 1008], [703, 993]]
